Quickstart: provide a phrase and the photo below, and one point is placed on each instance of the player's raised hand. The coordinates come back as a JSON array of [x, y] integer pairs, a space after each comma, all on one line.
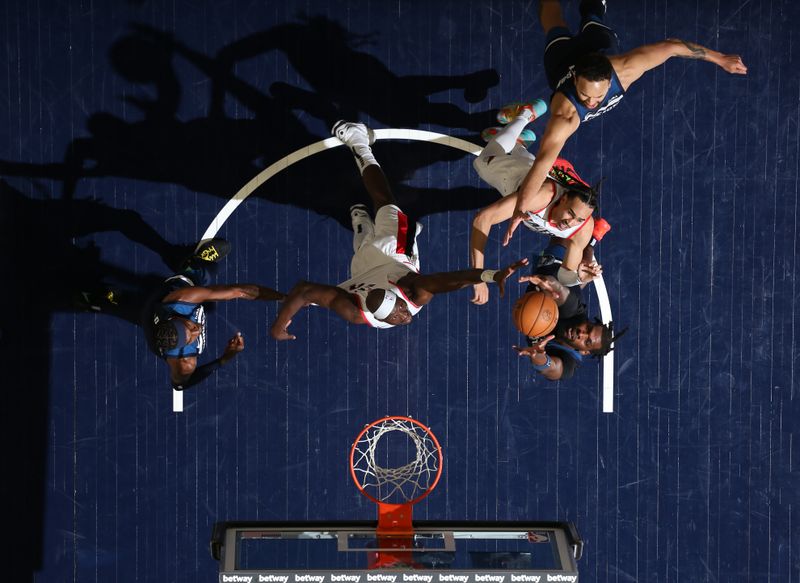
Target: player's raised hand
[[235, 346], [513, 223], [480, 294], [537, 348], [733, 64], [501, 276], [589, 271], [282, 332], [544, 284]]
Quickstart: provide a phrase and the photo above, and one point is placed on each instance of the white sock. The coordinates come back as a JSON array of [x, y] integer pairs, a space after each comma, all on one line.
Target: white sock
[[507, 137], [364, 157]]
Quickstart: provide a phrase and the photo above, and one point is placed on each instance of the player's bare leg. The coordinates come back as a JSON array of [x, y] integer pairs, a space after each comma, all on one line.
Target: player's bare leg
[[358, 137], [377, 186], [550, 15]]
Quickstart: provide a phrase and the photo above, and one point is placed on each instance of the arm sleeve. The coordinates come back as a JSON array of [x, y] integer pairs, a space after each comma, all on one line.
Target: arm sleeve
[[200, 374]]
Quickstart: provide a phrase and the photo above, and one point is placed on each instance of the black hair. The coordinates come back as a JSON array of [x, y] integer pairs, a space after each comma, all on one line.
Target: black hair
[[575, 187], [593, 67], [586, 194], [165, 335], [607, 340]]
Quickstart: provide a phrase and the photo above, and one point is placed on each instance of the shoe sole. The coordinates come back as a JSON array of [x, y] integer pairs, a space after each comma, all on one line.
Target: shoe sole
[[341, 122], [220, 248], [517, 105]]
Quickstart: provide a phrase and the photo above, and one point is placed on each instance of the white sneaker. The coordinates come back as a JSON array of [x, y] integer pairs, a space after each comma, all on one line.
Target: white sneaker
[[359, 212], [353, 134]]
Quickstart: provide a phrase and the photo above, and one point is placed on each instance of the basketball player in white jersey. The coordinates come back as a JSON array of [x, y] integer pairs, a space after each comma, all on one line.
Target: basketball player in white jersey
[[562, 208], [386, 288]]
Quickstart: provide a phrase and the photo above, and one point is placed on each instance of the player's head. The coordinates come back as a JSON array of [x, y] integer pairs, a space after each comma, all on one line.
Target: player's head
[[175, 332], [592, 78], [575, 207], [386, 306], [587, 337]]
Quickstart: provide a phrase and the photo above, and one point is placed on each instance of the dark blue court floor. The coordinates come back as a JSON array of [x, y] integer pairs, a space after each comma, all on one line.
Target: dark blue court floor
[[127, 126]]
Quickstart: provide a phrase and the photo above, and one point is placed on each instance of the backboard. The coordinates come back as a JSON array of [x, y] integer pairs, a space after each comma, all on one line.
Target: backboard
[[435, 552], [395, 462]]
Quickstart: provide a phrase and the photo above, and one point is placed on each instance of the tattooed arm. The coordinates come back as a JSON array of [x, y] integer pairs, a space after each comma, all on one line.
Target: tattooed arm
[[633, 64]]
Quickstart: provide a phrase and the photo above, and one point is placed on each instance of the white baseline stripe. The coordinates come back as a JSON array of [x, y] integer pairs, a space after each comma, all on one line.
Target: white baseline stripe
[[391, 134], [608, 359]]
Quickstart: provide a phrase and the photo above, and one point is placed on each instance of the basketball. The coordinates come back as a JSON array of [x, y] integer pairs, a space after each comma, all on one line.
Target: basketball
[[535, 314]]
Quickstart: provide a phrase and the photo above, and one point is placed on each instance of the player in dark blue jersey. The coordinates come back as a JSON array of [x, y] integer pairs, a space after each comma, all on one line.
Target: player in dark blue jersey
[[176, 324], [172, 312], [587, 83], [557, 355], [575, 337]]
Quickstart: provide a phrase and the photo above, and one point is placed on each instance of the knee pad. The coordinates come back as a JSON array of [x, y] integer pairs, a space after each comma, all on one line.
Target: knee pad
[[568, 278]]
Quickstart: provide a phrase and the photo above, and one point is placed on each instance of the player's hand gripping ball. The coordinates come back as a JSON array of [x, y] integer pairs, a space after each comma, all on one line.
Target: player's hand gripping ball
[[535, 314]]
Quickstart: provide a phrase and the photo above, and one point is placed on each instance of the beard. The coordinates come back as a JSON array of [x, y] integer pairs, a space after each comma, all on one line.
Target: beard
[[566, 324]]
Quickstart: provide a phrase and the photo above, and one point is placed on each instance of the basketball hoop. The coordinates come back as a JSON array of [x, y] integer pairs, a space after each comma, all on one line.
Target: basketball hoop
[[395, 462]]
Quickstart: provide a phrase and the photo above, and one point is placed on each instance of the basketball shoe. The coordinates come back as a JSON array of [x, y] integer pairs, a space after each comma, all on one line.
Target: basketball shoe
[[211, 250], [95, 301], [589, 8], [532, 110], [353, 134], [358, 213]]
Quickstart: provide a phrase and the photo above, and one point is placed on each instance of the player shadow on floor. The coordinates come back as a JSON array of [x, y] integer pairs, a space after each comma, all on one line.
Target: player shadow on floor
[[218, 154], [351, 83], [45, 271]]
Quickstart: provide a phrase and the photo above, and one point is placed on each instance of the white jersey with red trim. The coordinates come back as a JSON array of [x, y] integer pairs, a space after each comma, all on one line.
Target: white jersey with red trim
[[539, 221], [384, 277]]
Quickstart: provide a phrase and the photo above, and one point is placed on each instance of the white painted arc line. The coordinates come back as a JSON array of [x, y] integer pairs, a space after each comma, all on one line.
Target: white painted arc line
[[391, 134], [317, 147], [608, 359]]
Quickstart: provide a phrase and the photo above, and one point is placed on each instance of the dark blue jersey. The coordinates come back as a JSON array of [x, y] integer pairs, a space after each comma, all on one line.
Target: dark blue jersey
[[193, 312], [615, 94]]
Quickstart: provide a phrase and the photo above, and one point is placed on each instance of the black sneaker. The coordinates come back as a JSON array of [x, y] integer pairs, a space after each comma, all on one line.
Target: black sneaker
[[212, 250], [589, 8], [95, 301]]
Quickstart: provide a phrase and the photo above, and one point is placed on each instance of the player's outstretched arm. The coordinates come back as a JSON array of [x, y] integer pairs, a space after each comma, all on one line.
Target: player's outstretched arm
[[234, 346], [216, 293], [633, 64], [184, 372], [546, 365], [484, 220], [424, 287], [562, 124], [576, 269], [305, 293]]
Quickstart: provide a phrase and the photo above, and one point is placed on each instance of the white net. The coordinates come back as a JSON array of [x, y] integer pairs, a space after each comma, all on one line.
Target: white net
[[396, 471]]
